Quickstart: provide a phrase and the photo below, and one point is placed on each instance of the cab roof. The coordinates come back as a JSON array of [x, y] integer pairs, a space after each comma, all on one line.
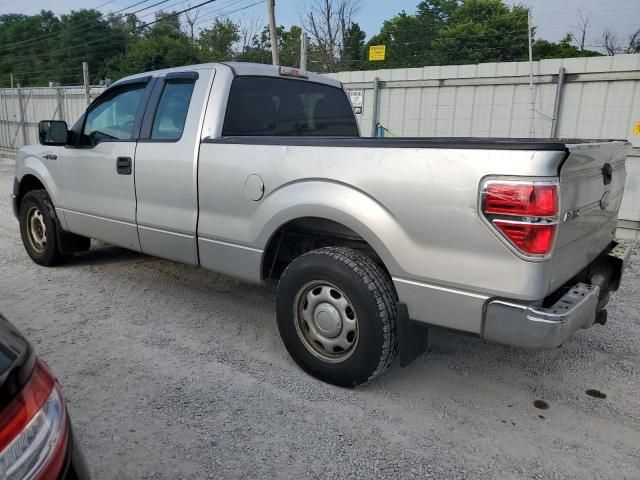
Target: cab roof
[[238, 69]]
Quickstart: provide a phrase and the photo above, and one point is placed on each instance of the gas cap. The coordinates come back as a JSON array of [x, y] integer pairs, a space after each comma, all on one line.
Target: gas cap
[[254, 187]]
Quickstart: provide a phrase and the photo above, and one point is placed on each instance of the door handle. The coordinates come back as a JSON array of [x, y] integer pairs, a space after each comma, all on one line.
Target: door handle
[[123, 165]]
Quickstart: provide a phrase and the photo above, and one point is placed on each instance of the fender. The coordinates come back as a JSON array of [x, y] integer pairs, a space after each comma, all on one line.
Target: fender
[[29, 162], [334, 201]]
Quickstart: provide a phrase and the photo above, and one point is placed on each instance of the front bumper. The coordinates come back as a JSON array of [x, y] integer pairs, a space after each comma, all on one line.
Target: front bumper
[[538, 327]]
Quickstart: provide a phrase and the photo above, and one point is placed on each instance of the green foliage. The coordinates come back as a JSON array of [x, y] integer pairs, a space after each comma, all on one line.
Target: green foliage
[[483, 31], [260, 49], [354, 51], [216, 43], [450, 32], [563, 49]]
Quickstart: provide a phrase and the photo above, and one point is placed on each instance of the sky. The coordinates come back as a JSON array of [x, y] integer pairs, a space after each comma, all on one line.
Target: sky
[[553, 18]]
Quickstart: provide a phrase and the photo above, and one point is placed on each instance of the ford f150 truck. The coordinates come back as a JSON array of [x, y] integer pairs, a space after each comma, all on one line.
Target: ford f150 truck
[[259, 172]]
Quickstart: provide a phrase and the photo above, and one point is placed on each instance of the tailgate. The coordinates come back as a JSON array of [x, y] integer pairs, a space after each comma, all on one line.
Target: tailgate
[[591, 187]]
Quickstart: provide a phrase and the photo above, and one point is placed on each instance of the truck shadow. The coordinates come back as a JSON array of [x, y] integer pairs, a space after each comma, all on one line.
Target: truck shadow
[[102, 253]]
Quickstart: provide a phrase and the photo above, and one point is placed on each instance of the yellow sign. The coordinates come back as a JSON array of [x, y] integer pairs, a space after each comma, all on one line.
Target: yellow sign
[[377, 52], [636, 129]]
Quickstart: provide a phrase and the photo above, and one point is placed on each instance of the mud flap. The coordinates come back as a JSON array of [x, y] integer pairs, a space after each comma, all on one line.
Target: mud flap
[[68, 242], [412, 336]]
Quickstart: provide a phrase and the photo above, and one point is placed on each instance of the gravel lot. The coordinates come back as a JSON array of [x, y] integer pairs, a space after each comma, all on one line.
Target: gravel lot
[[174, 372]]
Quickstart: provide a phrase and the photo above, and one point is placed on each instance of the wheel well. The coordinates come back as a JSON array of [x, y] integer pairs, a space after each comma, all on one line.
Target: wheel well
[[28, 183], [305, 234]]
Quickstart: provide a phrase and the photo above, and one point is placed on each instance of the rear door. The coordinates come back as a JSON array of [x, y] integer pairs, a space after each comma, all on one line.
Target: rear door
[[166, 165], [98, 197], [591, 187]]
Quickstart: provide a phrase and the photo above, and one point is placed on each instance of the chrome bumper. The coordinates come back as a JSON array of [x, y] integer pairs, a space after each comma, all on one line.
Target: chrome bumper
[[537, 327]]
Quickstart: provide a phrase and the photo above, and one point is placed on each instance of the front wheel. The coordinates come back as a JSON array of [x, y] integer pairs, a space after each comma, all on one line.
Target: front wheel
[[38, 228], [336, 315]]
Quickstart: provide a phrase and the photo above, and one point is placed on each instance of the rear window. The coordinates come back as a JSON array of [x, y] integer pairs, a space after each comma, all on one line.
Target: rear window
[[267, 106]]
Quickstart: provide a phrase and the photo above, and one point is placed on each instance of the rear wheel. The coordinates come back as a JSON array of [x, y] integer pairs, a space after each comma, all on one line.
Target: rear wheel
[[38, 228], [336, 315]]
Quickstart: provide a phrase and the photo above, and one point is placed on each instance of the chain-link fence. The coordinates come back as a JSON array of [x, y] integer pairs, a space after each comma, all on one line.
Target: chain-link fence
[[22, 108]]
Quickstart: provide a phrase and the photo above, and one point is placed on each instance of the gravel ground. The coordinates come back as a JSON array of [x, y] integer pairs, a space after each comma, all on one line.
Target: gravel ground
[[174, 372]]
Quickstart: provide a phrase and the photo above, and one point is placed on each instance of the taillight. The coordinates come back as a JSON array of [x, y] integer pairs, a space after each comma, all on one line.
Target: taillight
[[529, 200], [33, 430], [523, 212], [531, 239]]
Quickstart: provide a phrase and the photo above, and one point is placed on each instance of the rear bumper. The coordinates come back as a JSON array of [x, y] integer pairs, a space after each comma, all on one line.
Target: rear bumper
[[538, 327]]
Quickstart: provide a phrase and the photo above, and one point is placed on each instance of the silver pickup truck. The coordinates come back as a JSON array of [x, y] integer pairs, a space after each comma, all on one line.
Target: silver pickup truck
[[259, 172]]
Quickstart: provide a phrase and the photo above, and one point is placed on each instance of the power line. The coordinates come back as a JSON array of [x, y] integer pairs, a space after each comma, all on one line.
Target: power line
[[216, 15]]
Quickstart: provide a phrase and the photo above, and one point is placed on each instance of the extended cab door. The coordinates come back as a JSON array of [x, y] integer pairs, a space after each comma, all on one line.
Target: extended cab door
[[98, 194], [166, 165]]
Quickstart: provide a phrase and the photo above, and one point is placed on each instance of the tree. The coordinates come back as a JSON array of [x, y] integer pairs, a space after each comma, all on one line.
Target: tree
[[564, 49], [260, 49], [354, 48], [609, 42], [582, 27], [23, 56], [483, 31], [408, 38], [216, 43], [191, 17], [163, 45], [328, 23]]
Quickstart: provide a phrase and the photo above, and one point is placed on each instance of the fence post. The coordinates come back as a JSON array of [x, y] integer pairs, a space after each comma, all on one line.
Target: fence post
[[60, 104], [23, 125], [85, 77], [374, 111], [558, 103], [304, 48]]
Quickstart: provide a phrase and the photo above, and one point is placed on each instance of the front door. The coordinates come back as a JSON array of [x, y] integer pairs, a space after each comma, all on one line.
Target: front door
[[98, 196], [166, 166]]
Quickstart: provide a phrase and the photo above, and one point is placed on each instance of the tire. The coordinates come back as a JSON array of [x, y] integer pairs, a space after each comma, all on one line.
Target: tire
[[336, 314], [38, 229]]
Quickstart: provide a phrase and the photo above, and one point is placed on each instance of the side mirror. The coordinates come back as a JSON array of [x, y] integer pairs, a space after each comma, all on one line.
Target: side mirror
[[53, 132]]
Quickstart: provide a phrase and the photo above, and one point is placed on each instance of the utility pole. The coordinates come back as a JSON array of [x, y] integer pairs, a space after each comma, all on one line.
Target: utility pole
[[304, 48], [274, 33], [11, 80], [532, 128], [85, 78], [23, 122]]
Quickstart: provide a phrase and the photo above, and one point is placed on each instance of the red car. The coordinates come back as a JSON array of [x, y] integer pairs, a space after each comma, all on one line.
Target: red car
[[36, 439]]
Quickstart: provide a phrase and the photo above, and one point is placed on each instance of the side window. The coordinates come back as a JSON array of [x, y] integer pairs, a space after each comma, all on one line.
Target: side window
[[173, 107], [113, 118]]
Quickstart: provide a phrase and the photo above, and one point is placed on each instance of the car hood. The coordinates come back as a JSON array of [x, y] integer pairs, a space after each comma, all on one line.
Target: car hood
[[17, 359]]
